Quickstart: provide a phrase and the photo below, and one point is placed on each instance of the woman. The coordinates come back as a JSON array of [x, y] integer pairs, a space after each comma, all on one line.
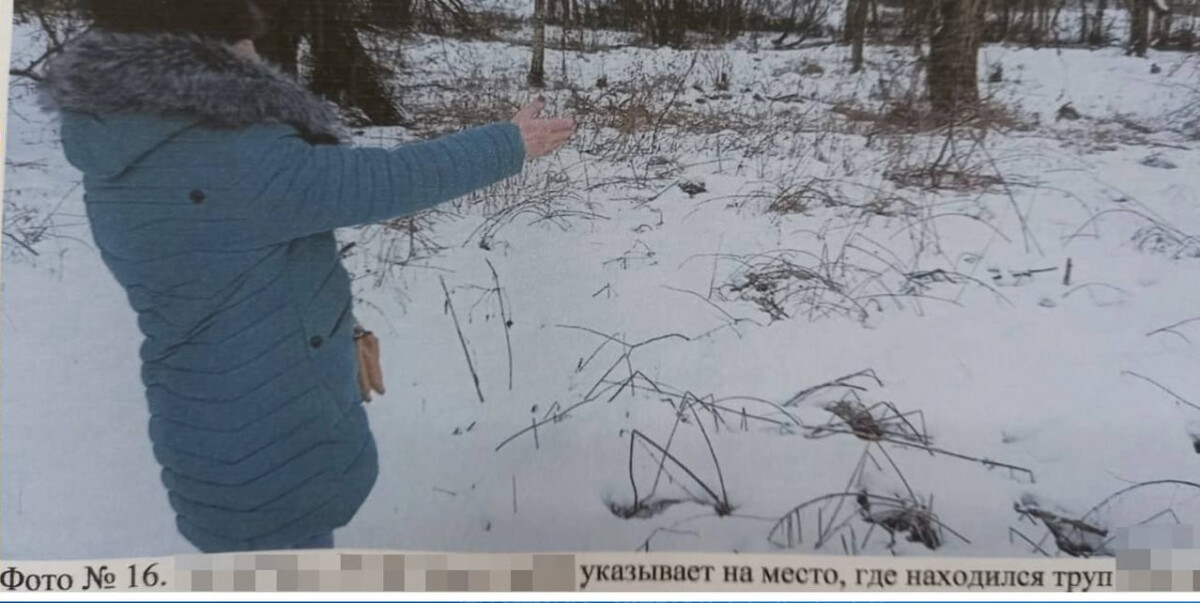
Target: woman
[[213, 184]]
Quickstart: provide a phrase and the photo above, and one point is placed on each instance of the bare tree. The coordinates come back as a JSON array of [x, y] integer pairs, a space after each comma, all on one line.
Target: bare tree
[[537, 66], [434, 16], [1162, 23], [1139, 27], [1098, 35], [955, 39], [805, 18], [848, 20], [342, 69], [858, 32], [59, 23], [912, 19]]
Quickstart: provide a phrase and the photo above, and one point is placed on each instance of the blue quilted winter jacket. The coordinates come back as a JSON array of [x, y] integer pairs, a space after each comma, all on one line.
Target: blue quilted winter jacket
[[221, 236]]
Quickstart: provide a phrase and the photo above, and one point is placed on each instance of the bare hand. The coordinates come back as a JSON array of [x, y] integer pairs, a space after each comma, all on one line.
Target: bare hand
[[542, 136]]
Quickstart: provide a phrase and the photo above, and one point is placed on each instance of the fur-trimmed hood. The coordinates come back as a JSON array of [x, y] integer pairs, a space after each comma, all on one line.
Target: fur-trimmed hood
[[181, 76]]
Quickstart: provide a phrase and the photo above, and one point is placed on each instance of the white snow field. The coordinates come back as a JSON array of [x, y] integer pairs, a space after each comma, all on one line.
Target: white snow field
[[838, 308]]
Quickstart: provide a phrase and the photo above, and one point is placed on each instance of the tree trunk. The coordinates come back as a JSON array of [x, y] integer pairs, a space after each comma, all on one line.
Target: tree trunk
[[677, 19], [1083, 22], [954, 56], [736, 14], [1139, 27], [1098, 33], [1052, 22], [537, 67], [342, 70], [925, 14], [1034, 22], [858, 33], [906, 18], [1006, 19], [848, 20], [281, 42], [1162, 28], [393, 14], [1043, 25]]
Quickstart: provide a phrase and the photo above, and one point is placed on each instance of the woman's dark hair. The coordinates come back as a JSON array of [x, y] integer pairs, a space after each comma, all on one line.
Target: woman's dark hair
[[228, 20]]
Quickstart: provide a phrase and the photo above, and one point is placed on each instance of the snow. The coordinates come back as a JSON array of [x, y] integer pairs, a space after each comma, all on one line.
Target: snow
[[1015, 369]]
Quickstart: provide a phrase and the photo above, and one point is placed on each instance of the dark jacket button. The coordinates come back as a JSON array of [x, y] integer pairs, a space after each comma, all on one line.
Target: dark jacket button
[[316, 341], [197, 196]]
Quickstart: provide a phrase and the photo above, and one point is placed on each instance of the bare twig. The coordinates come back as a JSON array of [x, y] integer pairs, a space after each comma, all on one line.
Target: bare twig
[[1086, 285], [555, 418], [1171, 328], [462, 339], [663, 460], [982, 461], [1036, 546], [1123, 491], [896, 468], [1074, 537], [901, 509], [733, 320], [507, 322], [839, 382], [711, 451], [1177, 397], [720, 505], [22, 243]]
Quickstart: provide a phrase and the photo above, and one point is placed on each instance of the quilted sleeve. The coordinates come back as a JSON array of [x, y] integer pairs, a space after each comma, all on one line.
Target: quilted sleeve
[[297, 189]]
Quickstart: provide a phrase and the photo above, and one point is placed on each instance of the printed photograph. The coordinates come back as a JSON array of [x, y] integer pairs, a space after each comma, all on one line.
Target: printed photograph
[[839, 277]]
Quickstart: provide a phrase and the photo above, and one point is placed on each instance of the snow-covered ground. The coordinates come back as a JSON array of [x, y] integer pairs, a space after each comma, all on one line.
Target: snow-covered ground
[[948, 305]]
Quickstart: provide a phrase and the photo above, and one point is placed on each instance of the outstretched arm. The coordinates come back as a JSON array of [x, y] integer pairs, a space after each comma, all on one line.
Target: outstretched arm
[[298, 189]]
